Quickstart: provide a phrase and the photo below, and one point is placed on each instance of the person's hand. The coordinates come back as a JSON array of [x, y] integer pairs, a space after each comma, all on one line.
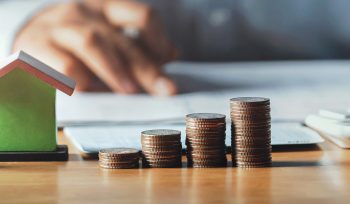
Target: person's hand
[[87, 43]]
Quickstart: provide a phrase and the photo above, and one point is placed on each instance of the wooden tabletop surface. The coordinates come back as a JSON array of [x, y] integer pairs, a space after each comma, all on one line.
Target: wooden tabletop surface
[[318, 174]]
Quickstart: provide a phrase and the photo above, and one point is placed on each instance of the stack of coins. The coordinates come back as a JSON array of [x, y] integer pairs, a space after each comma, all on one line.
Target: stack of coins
[[205, 140], [119, 158], [161, 148], [251, 132]]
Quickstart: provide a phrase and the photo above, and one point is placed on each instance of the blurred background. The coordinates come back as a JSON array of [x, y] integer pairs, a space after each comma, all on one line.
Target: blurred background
[[123, 45], [121, 53]]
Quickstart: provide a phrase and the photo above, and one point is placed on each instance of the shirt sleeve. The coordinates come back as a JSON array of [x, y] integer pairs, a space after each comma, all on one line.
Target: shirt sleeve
[[14, 14]]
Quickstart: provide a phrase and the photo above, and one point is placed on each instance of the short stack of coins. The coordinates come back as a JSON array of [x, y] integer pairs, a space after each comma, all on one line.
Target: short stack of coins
[[119, 158], [205, 140], [251, 132], [161, 148]]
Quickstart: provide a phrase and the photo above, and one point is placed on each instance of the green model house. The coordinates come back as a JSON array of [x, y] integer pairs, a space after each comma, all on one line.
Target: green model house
[[27, 103]]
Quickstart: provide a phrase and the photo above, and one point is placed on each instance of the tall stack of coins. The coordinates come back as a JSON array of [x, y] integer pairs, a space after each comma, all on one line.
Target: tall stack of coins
[[251, 132], [161, 148], [119, 158], [205, 140]]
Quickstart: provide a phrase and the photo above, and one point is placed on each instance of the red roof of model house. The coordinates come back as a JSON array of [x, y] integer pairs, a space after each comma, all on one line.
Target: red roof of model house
[[38, 69]]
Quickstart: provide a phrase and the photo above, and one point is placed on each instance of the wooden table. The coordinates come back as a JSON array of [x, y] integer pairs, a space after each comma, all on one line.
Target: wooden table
[[319, 175]]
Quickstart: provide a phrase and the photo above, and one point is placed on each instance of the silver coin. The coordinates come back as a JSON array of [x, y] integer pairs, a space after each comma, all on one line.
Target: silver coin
[[250, 100], [206, 116], [161, 132], [119, 151]]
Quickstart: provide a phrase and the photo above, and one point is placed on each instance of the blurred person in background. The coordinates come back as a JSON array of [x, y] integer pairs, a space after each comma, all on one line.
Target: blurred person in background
[[121, 45]]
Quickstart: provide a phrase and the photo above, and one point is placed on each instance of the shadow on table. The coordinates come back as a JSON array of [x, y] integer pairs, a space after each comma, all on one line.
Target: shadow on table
[[274, 164], [287, 148], [296, 148], [77, 157], [295, 163]]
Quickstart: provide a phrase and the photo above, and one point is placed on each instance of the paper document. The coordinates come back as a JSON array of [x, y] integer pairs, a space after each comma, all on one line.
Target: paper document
[[333, 127], [92, 139], [296, 89], [335, 114]]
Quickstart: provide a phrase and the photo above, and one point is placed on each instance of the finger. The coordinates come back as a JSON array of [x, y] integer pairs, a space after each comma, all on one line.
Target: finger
[[146, 72], [128, 13], [96, 53], [141, 16], [72, 67]]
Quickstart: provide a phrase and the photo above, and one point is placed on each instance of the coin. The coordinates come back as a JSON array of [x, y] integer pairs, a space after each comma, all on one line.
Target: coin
[[132, 166], [205, 123], [254, 165], [119, 152], [250, 100], [161, 148], [204, 144], [205, 139], [161, 132], [250, 131], [161, 165], [115, 158], [206, 127], [205, 117]]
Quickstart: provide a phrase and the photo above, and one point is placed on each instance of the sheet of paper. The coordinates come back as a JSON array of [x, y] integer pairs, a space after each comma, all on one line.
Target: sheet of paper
[[338, 128], [105, 108], [296, 89], [92, 139], [335, 114]]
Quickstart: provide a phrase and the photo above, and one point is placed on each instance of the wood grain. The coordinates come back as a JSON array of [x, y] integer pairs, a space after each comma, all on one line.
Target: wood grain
[[304, 175]]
